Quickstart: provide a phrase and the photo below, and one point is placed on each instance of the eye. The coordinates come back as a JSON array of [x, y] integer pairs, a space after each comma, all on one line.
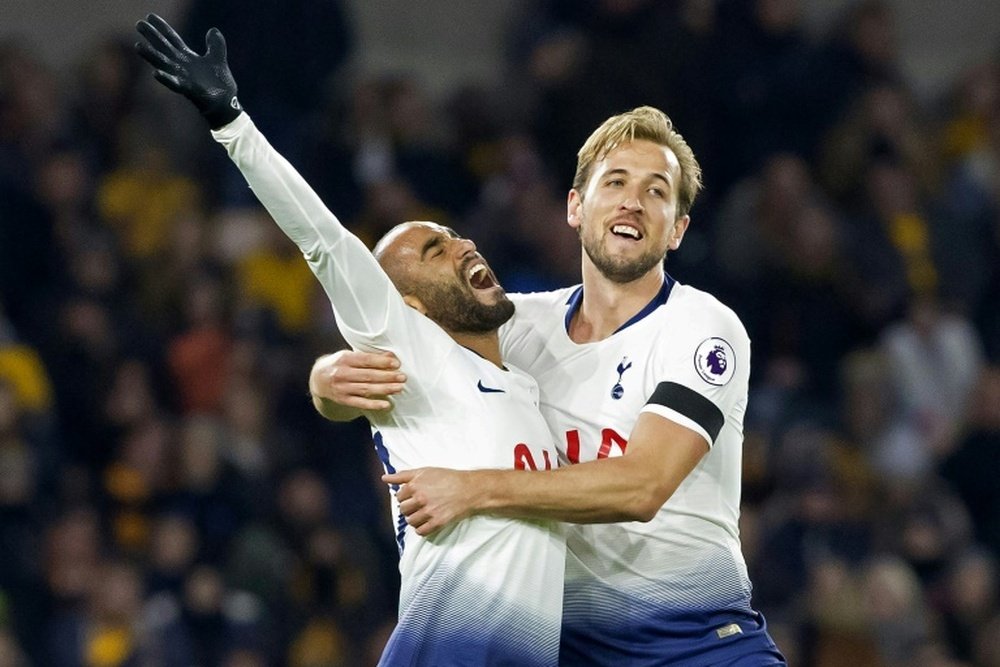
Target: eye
[[616, 182], [657, 192]]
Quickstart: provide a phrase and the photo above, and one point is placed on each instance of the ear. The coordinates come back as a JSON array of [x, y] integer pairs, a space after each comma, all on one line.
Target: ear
[[573, 203], [677, 235], [415, 303]]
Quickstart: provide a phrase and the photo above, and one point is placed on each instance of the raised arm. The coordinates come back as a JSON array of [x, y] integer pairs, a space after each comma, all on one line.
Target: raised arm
[[361, 294]]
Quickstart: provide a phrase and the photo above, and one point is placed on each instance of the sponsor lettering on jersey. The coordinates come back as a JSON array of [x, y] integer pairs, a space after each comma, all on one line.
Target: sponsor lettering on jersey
[[609, 437], [523, 459]]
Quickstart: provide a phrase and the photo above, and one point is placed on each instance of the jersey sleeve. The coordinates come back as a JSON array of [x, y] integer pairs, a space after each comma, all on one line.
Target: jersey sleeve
[[523, 338], [515, 334], [703, 382], [369, 310]]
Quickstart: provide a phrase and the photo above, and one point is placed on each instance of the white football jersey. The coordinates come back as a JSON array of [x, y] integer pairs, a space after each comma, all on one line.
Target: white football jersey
[[685, 357], [486, 591]]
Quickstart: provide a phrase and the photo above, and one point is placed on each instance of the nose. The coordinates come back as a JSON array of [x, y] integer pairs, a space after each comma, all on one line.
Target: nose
[[465, 247], [631, 203]]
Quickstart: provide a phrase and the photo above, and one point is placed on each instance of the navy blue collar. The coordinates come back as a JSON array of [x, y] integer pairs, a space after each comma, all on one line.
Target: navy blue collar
[[576, 298]]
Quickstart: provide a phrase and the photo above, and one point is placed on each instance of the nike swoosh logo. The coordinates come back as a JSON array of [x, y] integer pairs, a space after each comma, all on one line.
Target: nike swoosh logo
[[489, 390]]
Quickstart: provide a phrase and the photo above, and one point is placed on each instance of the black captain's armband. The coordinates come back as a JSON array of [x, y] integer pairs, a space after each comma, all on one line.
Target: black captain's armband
[[691, 404]]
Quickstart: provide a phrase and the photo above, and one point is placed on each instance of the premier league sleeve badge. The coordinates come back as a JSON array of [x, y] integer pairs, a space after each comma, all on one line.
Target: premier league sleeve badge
[[715, 361]]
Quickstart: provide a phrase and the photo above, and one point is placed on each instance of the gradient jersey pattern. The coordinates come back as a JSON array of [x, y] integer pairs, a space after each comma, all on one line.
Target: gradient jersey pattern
[[486, 591], [634, 588]]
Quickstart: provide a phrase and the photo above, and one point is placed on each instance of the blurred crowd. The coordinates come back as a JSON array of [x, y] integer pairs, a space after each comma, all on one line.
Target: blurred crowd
[[167, 495]]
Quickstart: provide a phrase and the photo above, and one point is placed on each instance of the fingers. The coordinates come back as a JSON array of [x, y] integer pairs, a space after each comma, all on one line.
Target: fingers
[[369, 386], [358, 388], [403, 494], [428, 529], [161, 51], [215, 45], [419, 522], [411, 507], [353, 364], [422, 522], [401, 477], [374, 360], [377, 381], [155, 58], [361, 395], [356, 379], [168, 32], [156, 40], [427, 526], [370, 404]]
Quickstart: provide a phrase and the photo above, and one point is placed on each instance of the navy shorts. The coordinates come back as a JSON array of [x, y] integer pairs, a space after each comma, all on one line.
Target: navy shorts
[[726, 639]]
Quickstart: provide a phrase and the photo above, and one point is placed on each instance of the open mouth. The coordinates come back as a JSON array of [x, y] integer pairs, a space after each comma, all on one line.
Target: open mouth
[[480, 277], [626, 232]]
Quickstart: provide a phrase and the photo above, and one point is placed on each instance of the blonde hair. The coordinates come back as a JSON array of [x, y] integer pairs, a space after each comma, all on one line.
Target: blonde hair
[[641, 123]]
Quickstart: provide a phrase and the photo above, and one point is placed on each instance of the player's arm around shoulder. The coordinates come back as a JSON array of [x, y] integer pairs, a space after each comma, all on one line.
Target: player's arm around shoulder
[[346, 384]]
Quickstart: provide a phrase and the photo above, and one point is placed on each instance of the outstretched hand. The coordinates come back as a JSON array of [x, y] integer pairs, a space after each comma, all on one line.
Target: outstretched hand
[[432, 498], [205, 80]]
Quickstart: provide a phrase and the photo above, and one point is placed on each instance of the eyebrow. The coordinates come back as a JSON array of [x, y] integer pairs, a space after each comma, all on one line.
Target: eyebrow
[[625, 172]]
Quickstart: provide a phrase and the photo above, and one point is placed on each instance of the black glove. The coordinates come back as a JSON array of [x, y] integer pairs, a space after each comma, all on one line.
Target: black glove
[[205, 80]]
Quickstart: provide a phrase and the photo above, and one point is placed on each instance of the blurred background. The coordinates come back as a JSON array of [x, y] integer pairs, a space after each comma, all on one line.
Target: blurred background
[[167, 495]]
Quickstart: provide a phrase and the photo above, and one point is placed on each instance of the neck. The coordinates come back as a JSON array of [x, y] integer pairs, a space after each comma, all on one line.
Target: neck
[[486, 345], [607, 305]]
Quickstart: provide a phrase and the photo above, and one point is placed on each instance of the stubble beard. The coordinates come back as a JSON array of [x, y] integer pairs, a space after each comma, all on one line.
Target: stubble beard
[[457, 310], [619, 269]]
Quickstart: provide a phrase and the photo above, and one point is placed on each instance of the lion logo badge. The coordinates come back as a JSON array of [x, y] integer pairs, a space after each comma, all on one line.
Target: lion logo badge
[[715, 361]]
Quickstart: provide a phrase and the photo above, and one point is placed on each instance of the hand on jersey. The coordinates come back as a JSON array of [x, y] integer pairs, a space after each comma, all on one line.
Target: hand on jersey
[[432, 498], [358, 380], [205, 80]]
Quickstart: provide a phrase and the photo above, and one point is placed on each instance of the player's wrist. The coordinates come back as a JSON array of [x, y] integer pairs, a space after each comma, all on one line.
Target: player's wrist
[[222, 112], [483, 496]]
